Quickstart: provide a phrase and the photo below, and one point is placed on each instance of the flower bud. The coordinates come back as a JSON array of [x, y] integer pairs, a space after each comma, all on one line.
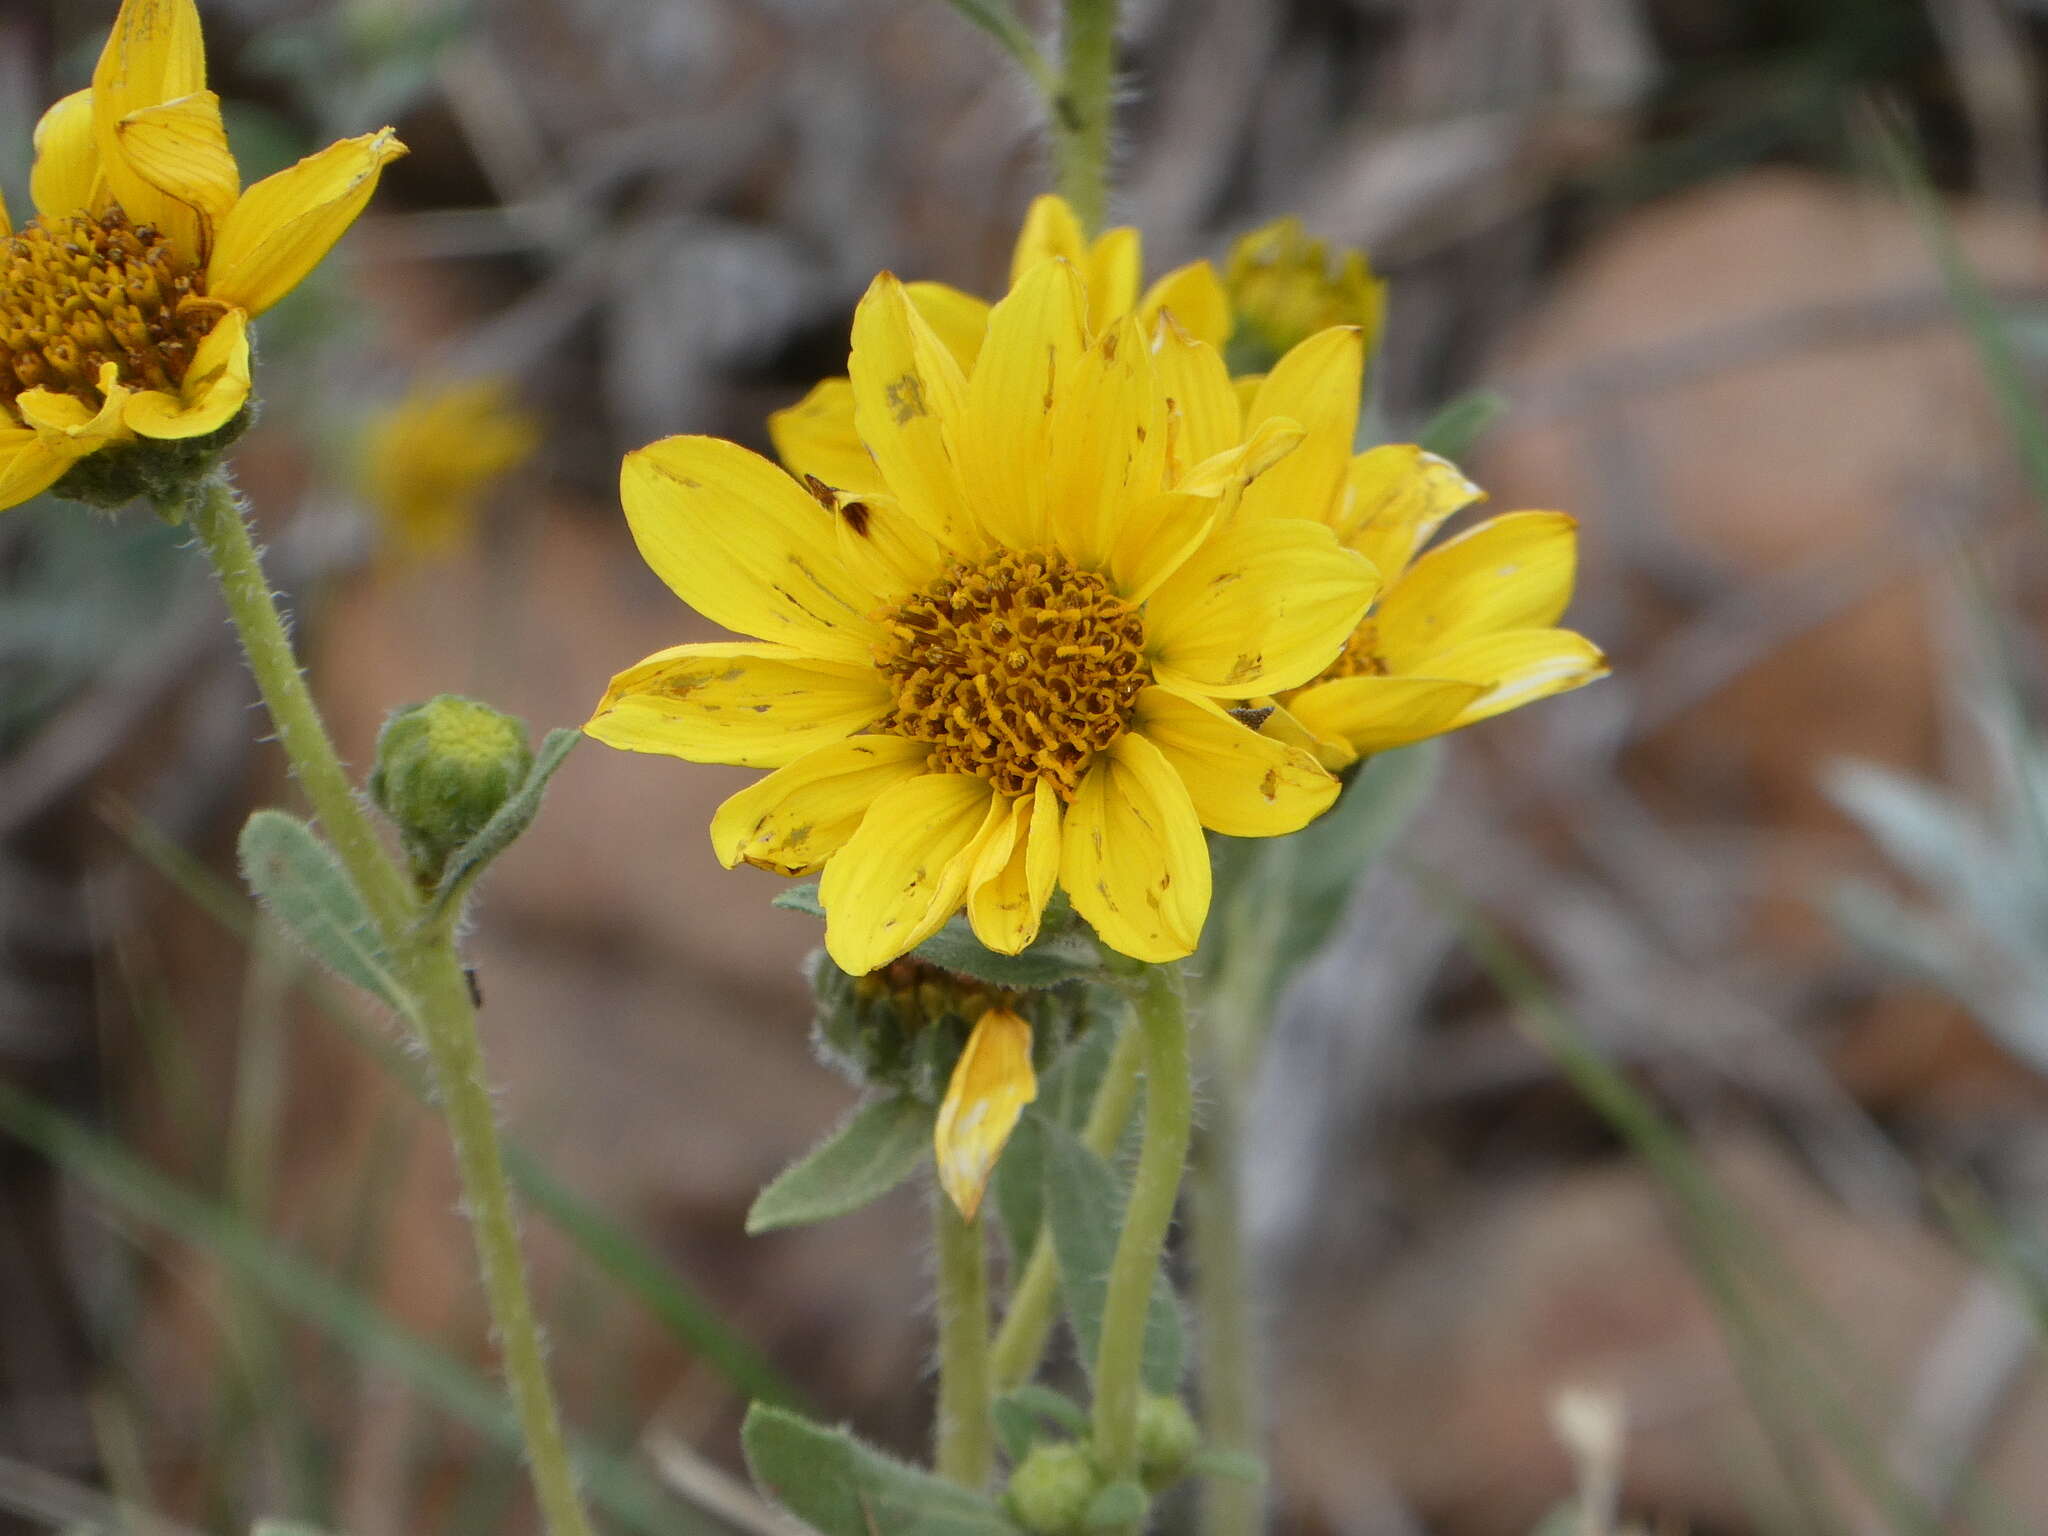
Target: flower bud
[[1283, 291], [1050, 1491], [443, 769], [1167, 1440]]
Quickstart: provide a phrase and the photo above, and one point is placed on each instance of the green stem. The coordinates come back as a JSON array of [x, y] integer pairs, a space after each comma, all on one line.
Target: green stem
[[1081, 109], [1027, 1324], [1231, 1410], [1162, 1156], [966, 1429]]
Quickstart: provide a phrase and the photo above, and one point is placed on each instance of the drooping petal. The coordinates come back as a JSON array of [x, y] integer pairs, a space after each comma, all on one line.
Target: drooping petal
[[1399, 495], [816, 437], [280, 228], [1113, 271], [1317, 384], [153, 55], [1034, 333], [1519, 666], [990, 1086], [1241, 783], [67, 179], [1510, 572], [744, 545], [1050, 231], [70, 427], [28, 465], [1263, 606], [958, 319], [799, 816], [1377, 714], [1013, 878], [1192, 375], [903, 872], [1107, 444], [1132, 856], [757, 706], [908, 396], [216, 386], [1193, 295], [181, 148]]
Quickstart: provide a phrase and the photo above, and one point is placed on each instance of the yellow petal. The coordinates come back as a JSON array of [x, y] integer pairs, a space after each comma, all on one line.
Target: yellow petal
[[216, 386], [1262, 606], [181, 148], [1511, 572], [1013, 876], [799, 816], [1192, 375], [759, 706], [816, 437], [6, 221], [908, 396], [885, 552], [1519, 666], [67, 179], [958, 319], [70, 427], [1316, 384], [280, 228], [1229, 473], [1282, 727], [28, 465], [984, 1098], [1155, 537], [1033, 334], [1050, 231], [1397, 496], [744, 545], [1107, 444], [1193, 295], [1114, 261], [902, 874], [1132, 856], [1241, 783], [1377, 714], [154, 54]]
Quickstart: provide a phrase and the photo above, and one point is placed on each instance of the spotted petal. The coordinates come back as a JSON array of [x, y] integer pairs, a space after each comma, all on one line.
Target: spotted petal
[[1241, 783], [903, 872], [799, 816], [1132, 856], [1013, 877]]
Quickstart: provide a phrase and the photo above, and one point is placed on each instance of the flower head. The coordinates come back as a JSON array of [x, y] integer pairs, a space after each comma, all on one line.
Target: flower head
[[1282, 290], [428, 459], [125, 301], [1003, 662]]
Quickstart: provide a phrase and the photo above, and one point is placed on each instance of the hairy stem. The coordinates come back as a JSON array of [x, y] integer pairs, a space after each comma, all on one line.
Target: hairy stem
[[1231, 1409], [966, 1431], [1081, 109]]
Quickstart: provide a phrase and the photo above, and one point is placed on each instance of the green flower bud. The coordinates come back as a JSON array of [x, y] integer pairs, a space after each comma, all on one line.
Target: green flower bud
[[443, 769], [1050, 1491], [1167, 1440]]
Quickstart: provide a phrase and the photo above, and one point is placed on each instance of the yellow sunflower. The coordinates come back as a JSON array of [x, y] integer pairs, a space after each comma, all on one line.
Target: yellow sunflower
[[1003, 664], [125, 302]]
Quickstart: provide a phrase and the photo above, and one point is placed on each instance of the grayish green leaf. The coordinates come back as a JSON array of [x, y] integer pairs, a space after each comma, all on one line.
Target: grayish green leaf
[[844, 1488], [1118, 1507], [302, 884], [880, 1145]]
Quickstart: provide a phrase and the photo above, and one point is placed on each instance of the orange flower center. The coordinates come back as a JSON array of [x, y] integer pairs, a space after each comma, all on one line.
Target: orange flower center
[[1017, 668], [80, 292]]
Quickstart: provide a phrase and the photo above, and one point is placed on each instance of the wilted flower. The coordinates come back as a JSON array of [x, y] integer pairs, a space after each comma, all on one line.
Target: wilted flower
[[125, 302], [428, 459]]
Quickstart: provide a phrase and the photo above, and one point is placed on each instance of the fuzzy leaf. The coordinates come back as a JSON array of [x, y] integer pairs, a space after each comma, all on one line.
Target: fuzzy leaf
[[844, 1488], [302, 885], [1054, 1407], [507, 825], [1019, 1184], [880, 1145]]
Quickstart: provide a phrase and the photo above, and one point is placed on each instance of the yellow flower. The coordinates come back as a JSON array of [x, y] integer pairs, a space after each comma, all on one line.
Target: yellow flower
[[428, 459], [1005, 664], [125, 302], [1460, 634], [987, 1093], [1282, 292]]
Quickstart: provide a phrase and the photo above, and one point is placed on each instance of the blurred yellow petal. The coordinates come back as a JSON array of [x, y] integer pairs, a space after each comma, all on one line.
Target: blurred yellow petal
[[1014, 874], [216, 386], [908, 400], [958, 319], [280, 228], [1050, 230], [1510, 572], [744, 545], [1377, 714], [1398, 496], [67, 179], [181, 148], [1193, 295], [429, 457], [816, 437], [1107, 441], [1132, 857], [1519, 666], [1241, 783], [904, 871], [1317, 385], [28, 465], [153, 55], [987, 1093], [799, 816], [1262, 606], [758, 706], [1034, 333], [1113, 271]]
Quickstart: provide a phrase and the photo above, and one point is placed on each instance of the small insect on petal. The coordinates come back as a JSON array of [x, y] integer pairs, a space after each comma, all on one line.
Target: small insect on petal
[[988, 1091]]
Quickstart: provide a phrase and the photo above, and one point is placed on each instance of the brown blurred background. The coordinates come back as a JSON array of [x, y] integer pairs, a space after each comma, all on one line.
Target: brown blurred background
[[1653, 226]]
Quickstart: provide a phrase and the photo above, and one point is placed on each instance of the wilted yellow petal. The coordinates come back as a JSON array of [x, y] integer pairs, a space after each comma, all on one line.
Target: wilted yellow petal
[[984, 1099], [180, 148], [280, 228], [153, 55], [216, 386]]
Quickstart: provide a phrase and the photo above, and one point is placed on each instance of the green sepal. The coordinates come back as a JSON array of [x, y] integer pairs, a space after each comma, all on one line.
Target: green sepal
[[506, 826], [1064, 951], [880, 1144], [1119, 1507], [844, 1488], [301, 884], [1453, 430], [1052, 1406]]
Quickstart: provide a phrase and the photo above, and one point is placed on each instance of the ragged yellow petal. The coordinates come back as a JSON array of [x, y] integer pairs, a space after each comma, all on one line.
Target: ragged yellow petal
[[757, 706], [744, 545], [28, 465], [1519, 666], [1397, 496], [816, 437], [1192, 375], [1377, 714], [984, 1099], [799, 816], [1317, 384], [958, 319], [1264, 605], [1034, 333], [67, 178], [1193, 295], [1113, 270], [904, 871], [69, 426], [280, 228], [1050, 231], [908, 399], [1510, 572], [1013, 876], [1241, 783], [1132, 856], [181, 148], [153, 55], [216, 386], [1107, 441]]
